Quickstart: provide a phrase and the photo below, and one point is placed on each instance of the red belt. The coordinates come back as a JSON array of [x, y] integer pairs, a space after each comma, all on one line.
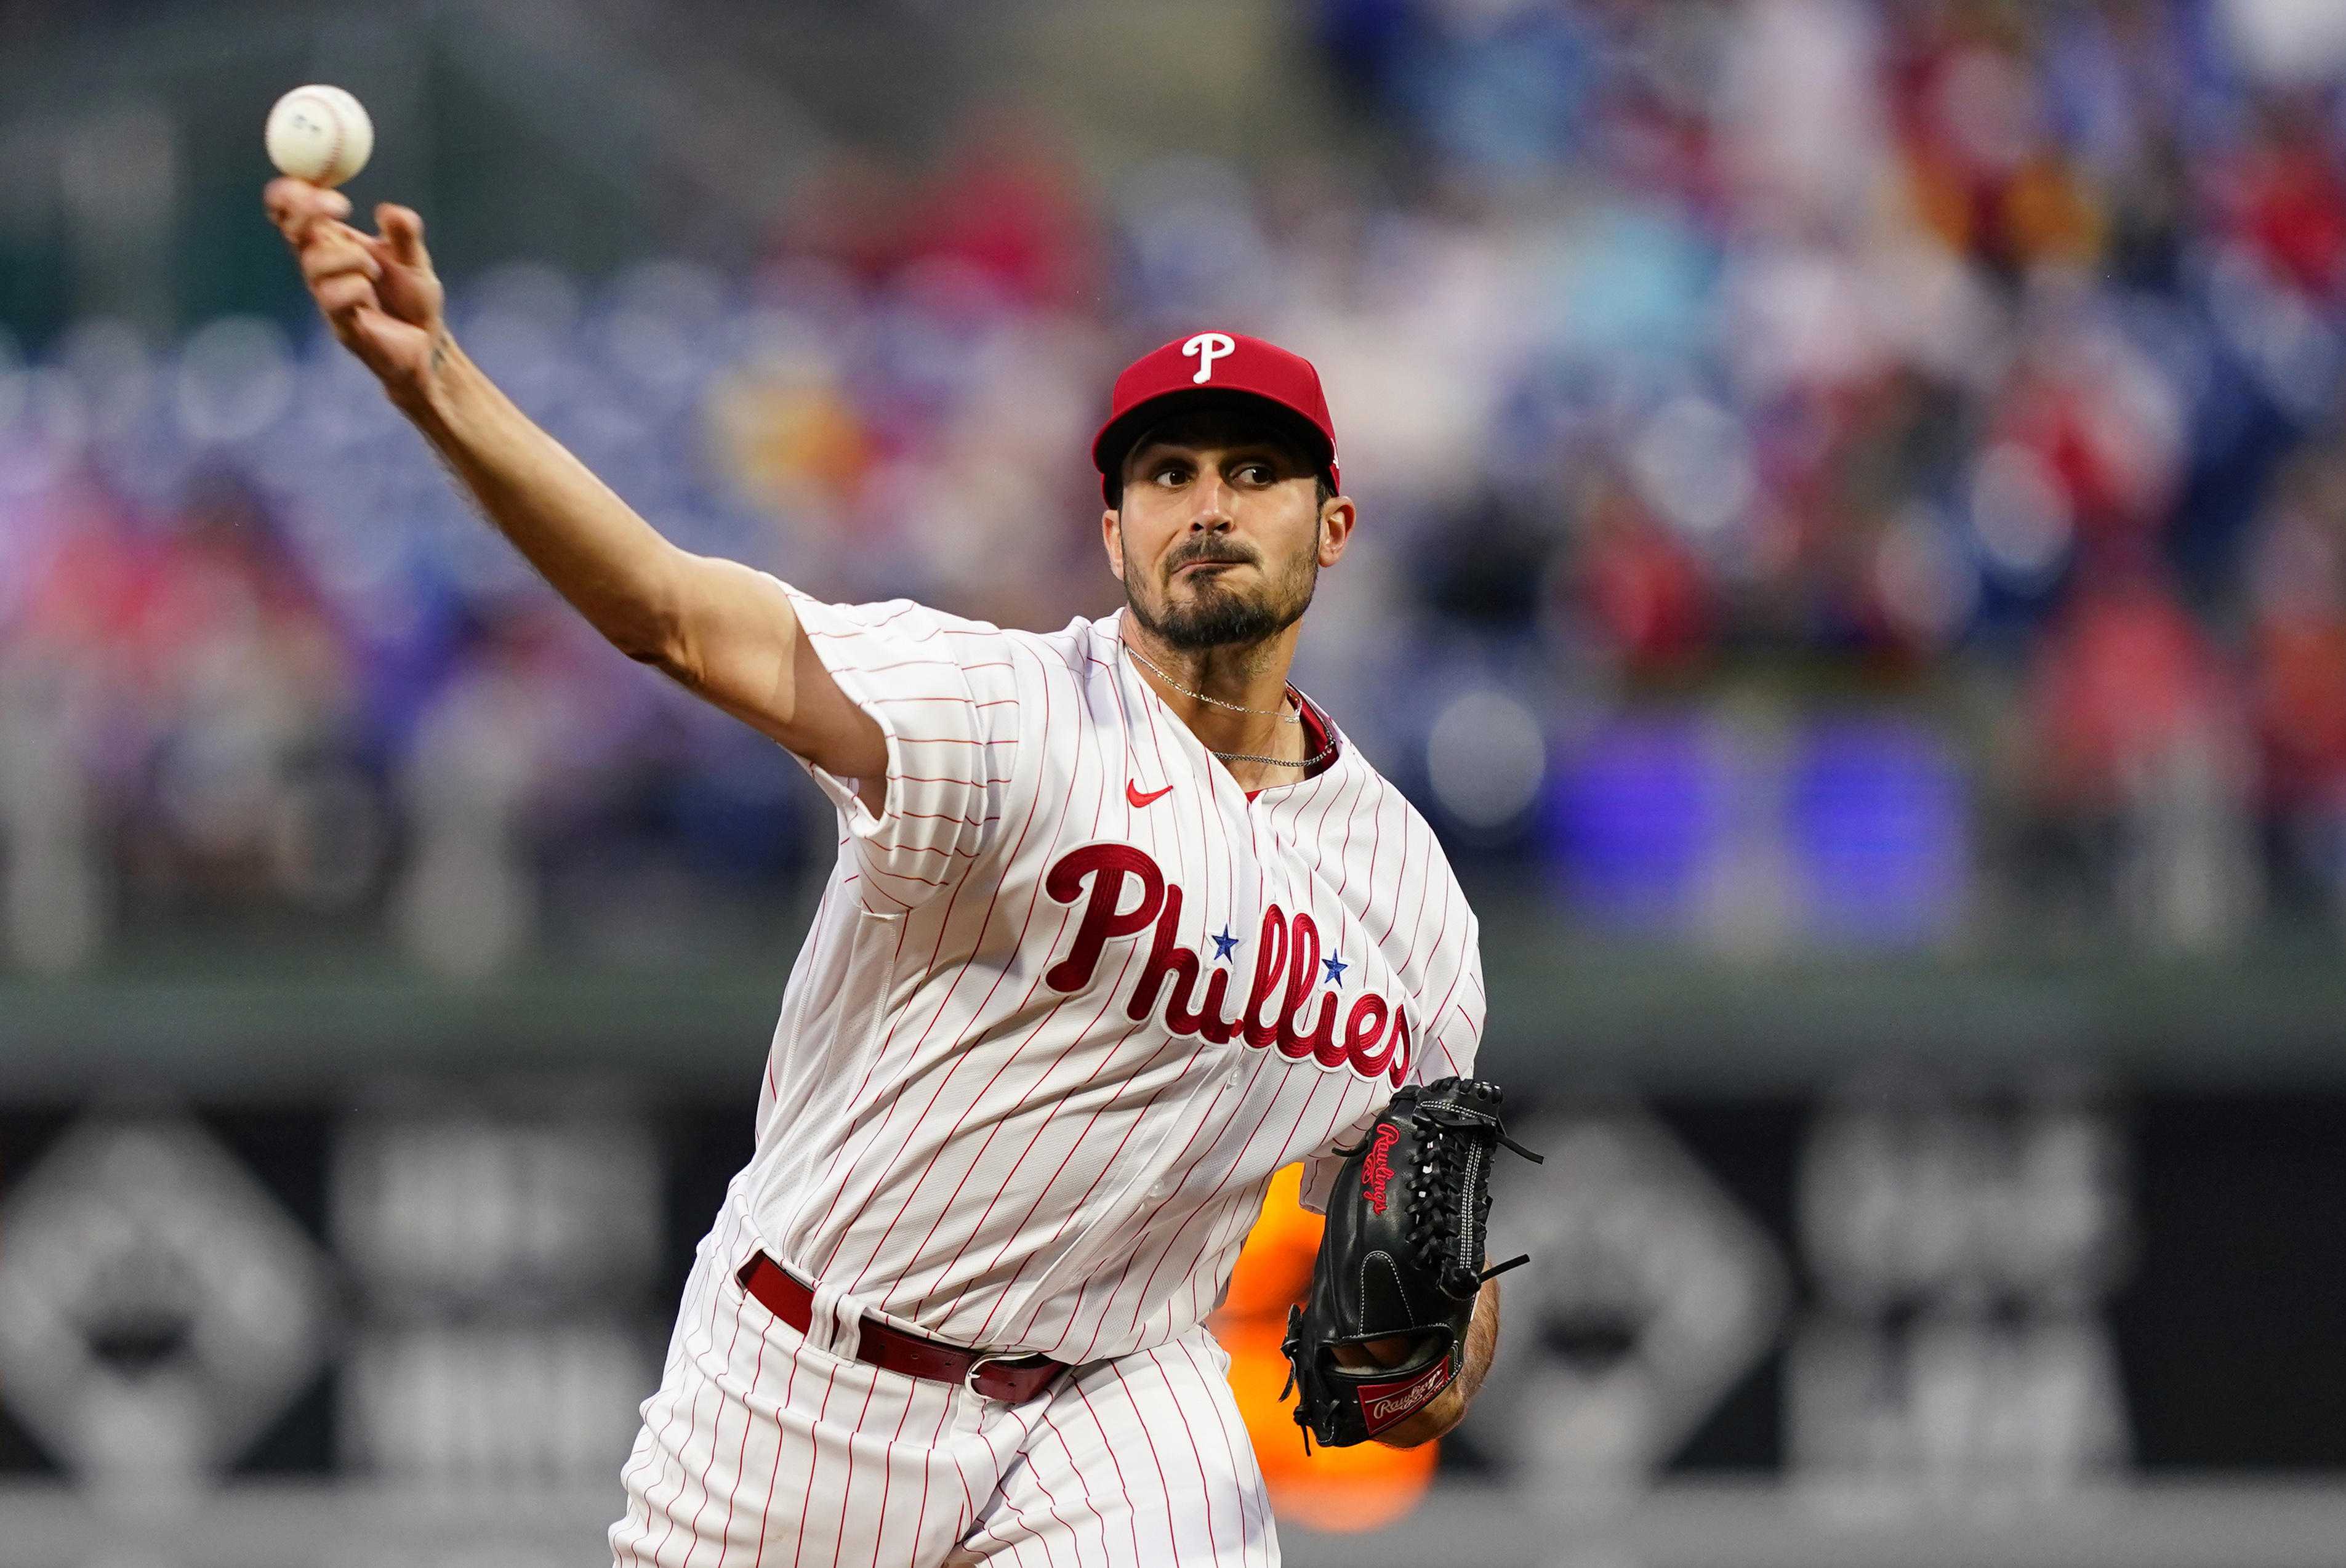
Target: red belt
[[996, 1377]]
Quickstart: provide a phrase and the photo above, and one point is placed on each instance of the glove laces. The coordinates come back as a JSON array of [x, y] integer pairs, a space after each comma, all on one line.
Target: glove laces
[[1453, 1143]]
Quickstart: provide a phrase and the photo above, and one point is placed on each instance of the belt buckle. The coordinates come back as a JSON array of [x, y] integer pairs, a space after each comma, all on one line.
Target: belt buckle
[[977, 1368]]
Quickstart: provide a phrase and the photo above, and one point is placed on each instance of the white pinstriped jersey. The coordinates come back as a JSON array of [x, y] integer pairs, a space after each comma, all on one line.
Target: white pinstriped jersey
[[1069, 1002]]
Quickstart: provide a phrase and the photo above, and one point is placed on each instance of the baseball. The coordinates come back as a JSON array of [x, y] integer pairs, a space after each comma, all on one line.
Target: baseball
[[320, 134]]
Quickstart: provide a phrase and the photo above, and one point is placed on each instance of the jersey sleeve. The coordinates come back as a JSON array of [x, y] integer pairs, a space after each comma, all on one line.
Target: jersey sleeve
[[1319, 1173], [899, 663]]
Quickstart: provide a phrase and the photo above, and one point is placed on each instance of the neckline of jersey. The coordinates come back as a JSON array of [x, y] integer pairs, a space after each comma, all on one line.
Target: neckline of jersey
[[1319, 736], [1316, 740]]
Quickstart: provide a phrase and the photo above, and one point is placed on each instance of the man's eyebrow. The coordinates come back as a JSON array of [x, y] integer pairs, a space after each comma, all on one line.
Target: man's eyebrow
[[1250, 449]]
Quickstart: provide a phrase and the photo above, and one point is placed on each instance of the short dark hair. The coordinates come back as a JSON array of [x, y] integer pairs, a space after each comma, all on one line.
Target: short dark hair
[[1233, 423]]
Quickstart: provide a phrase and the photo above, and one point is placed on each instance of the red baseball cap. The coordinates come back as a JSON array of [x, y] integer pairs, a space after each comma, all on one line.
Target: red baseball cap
[[1213, 364]]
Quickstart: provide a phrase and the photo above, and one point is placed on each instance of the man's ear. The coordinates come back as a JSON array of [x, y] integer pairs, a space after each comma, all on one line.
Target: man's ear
[[1112, 535], [1336, 521]]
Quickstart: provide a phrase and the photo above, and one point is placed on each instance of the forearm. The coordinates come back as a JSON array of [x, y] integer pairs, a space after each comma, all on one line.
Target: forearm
[[725, 632], [590, 544], [729, 633], [1449, 1407]]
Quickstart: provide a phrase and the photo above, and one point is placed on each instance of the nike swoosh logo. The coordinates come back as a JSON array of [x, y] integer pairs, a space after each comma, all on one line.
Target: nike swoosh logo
[[1132, 793]]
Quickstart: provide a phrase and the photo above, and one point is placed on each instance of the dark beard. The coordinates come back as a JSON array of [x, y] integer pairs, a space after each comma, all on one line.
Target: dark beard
[[1215, 618]]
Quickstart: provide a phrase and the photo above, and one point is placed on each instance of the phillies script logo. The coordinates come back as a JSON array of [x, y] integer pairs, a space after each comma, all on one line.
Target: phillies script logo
[[1382, 1404], [1286, 968], [1376, 1171]]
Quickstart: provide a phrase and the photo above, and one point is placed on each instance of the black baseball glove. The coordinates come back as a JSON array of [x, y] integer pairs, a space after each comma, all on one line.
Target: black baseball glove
[[1401, 1257]]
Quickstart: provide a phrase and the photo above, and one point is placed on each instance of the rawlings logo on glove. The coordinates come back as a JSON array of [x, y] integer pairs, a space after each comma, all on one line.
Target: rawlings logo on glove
[[1388, 1404], [1376, 1174], [1401, 1258]]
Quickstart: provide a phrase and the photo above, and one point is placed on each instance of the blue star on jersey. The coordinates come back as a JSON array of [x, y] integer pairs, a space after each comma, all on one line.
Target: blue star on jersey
[[1223, 944], [1336, 966]]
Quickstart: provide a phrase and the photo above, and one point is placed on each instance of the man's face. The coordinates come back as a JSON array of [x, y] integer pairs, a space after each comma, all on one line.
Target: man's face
[[1221, 539]]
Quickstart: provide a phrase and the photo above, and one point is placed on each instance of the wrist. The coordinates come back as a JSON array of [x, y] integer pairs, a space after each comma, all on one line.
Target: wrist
[[428, 397]]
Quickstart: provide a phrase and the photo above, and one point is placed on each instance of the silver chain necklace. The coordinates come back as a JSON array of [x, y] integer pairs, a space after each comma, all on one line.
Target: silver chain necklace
[[1324, 753], [1201, 696]]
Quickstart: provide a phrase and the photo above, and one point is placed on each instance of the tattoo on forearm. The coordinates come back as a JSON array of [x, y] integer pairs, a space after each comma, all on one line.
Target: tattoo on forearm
[[439, 349]]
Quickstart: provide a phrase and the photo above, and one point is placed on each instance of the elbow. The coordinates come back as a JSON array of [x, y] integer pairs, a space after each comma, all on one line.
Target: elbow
[[660, 659], [647, 618], [657, 641]]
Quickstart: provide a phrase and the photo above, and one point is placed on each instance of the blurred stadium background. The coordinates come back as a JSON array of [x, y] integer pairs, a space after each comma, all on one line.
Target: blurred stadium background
[[1855, 565]]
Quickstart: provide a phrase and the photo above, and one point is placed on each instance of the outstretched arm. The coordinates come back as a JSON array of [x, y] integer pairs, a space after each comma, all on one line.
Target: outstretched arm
[[727, 632]]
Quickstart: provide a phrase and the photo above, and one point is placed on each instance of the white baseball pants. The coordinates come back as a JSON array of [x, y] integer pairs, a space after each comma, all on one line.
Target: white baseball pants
[[763, 1446]]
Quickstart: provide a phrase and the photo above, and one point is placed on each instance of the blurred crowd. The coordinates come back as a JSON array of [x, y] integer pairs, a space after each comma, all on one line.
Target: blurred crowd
[[1831, 472]]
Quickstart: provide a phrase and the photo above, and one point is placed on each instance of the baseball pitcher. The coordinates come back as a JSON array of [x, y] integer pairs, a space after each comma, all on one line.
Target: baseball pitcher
[[1119, 925]]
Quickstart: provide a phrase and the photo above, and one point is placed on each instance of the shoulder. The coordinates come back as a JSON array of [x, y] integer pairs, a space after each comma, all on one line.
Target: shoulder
[[1078, 648], [896, 633], [905, 619], [1065, 661]]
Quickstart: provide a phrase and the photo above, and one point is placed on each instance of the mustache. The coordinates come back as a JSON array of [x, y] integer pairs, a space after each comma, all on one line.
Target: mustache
[[1208, 552]]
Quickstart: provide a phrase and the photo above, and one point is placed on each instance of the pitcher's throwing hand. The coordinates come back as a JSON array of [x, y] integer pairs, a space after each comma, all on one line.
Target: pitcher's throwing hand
[[378, 290]]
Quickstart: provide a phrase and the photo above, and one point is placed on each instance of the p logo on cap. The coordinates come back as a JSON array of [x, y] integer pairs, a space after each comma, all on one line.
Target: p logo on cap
[[1208, 347]]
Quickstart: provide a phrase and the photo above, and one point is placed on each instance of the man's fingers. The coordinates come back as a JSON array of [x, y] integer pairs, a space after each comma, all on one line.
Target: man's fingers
[[332, 258], [1389, 1352], [366, 288], [359, 322], [403, 231], [340, 295], [294, 205]]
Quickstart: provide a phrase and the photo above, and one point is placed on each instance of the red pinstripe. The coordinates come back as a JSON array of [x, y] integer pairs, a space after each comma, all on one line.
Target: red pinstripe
[[1131, 955], [773, 1475], [1233, 1444], [1050, 1498], [740, 1456], [978, 1158], [821, 1414], [921, 1510], [693, 1424], [1072, 1208], [1124, 1487], [872, 1064], [1034, 894], [1034, 897], [1165, 1253], [1077, 1207], [1076, 1469], [1213, 1536], [847, 1488]]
